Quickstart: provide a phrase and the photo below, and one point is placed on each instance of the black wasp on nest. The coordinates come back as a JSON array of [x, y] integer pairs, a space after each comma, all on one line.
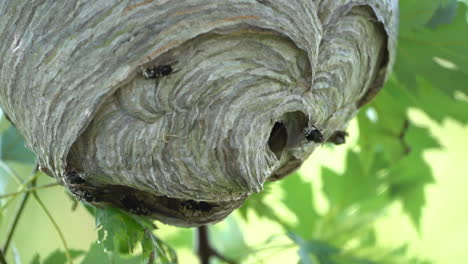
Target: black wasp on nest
[[73, 177], [313, 134], [157, 71]]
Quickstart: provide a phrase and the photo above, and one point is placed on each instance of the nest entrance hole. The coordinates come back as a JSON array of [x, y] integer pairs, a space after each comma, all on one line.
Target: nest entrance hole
[[278, 139], [287, 132]]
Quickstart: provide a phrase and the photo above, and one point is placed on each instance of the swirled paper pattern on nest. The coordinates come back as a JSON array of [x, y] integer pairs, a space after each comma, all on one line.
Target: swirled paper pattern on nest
[[186, 146]]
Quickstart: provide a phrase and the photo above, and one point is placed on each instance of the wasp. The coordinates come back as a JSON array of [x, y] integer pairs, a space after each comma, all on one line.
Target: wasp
[[73, 177], [199, 206], [338, 137], [157, 71], [133, 205], [313, 134]]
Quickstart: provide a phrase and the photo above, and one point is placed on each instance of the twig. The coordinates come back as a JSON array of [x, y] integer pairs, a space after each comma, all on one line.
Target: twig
[[15, 222], [205, 251], [21, 188], [54, 223], [2, 258], [29, 190], [9, 171], [203, 247], [18, 213]]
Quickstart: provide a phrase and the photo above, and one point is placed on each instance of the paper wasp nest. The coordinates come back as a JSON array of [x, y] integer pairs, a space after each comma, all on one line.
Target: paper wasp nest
[[179, 110]]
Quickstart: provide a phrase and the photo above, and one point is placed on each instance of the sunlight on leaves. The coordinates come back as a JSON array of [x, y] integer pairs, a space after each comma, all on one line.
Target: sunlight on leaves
[[121, 232]]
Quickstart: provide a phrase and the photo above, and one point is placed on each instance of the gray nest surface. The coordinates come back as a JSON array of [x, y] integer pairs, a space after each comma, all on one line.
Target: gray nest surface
[[179, 110]]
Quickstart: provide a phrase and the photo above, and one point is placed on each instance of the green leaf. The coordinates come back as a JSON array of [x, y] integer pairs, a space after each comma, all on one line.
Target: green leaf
[[409, 176], [415, 14], [120, 232], [229, 239], [408, 179], [181, 239], [443, 14], [385, 132], [117, 230], [424, 97], [401, 144], [369, 239], [322, 252], [299, 199], [12, 147], [428, 96], [156, 251], [304, 255], [355, 185], [420, 139], [36, 259], [432, 64], [314, 252], [57, 257], [257, 203], [438, 56], [96, 254]]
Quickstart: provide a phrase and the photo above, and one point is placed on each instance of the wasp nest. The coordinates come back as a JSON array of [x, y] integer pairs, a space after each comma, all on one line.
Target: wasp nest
[[179, 110]]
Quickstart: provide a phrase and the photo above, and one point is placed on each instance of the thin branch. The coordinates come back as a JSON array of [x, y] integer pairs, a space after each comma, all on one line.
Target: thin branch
[[203, 246], [204, 249], [19, 211], [14, 224], [54, 223], [9, 171], [21, 188], [29, 190], [2, 258]]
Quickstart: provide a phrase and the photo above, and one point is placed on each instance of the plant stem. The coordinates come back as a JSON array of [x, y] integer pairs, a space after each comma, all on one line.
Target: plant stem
[[54, 223], [21, 188], [29, 190], [15, 222], [2, 258], [204, 249], [19, 212], [9, 171]]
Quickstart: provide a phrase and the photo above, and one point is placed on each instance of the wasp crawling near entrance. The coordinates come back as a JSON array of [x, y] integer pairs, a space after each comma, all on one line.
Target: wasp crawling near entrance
[[133, 205], [157, 72], [73, 177], [313, 134]]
